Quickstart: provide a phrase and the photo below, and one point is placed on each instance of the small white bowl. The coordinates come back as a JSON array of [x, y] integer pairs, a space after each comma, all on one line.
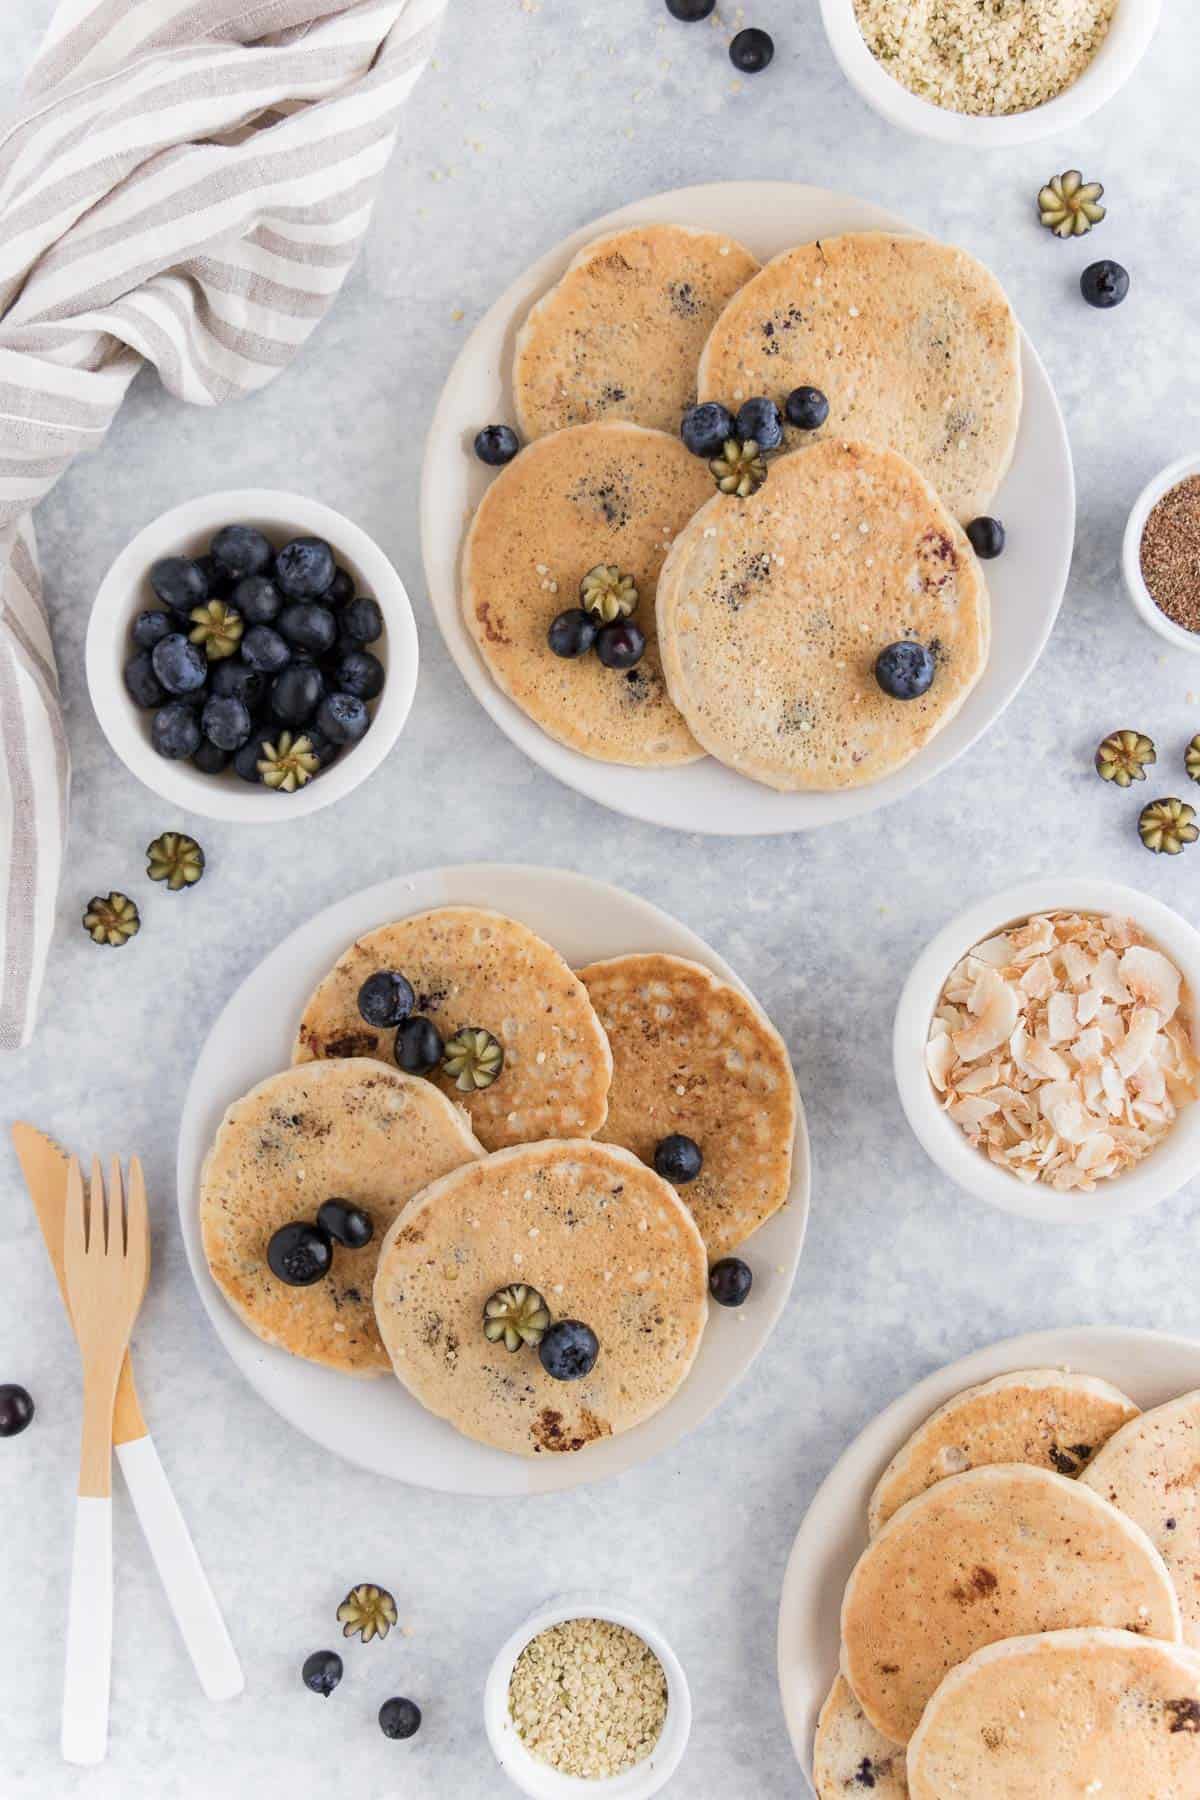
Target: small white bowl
[[538, 1779], [1133, 25], [125, 591], [1167, 1167], [1131, 554]]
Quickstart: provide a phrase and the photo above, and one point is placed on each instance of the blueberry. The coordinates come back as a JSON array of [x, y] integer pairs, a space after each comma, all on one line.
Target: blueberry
[[573, 632], [225, 722], [179, 583], [706, 428], [730, 1281], [209, 759], [321, 1672], [751, 50], [141, 683], [175, 731], [300, 1254], [678, 1159], [760, 419], [1104, 284], [621, 644], [16, 1409], [234, 679], [217, 577], [399, 1718], [150, 628], [265, 651], [496, 445], [296, 694], [691, 12], [347, 1224], [307, 626], [806, 408], [247, 759], [568, 1350], [180, 665], [359, 673], [257, 599], [323, 748], [905, 670], [241, 550], [343, 718], [386, 998], [418, 1046], [361, 621], [341, 589], [987, 537], [304, 568]]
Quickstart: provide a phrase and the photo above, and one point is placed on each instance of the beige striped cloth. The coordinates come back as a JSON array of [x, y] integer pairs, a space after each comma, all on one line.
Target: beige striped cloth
[[186, 183]]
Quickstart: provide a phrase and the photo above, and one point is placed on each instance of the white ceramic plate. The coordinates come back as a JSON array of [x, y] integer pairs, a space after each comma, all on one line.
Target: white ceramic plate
[[377, 1423], [1036, 502], [1149, 1366]]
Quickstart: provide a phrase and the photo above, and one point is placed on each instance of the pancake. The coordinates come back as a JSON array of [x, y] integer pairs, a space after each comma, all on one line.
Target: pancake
[[914, 344], [991, 1554], [613, 494], [850, 1756], [349, 1130], [620, 336], [473, 967], [600, 1237], [1151, 1470], [1070, 1713], [772, 611], [692, 1054], [1049, 1418]]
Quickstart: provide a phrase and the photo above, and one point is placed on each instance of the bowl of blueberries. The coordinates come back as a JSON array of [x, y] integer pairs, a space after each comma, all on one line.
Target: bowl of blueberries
[[252, 656]]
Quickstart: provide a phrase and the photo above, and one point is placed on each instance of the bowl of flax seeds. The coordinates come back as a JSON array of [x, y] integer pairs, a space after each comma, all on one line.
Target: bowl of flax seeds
[[1161, 554]]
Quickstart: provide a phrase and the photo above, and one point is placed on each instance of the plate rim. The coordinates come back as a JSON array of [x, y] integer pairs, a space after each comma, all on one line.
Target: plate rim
[[394, 898], [558, 760]]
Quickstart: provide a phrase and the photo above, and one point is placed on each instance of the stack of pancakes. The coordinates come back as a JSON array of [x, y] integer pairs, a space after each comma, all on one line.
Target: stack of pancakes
[[1024, 1619], [763, 616]]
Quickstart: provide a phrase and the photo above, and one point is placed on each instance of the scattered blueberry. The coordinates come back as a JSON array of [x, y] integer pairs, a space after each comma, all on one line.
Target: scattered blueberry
[[568, 1350], [242, 550], [179, 583], [296, 694], [209, 759], [621, 644], [180, 665], [304, 569], [418, 1046], [399, 1718], [150, 628], [247, 759], [341, 589], [706, 428], [751, 50], [572, 633], [175, 731], [257, 599], [300, 1254], [16, 1409], [905, 670], [730, 1281], [141, 683], [226, 722], [496, 445], [343, 718], [691, 12], [307, 626], [1104, 284], [806, 408], [987, 537], [347, 1225], [677, 1158], [385, 999], [361, 621], [234, 678], [321, 1672], [265, 651], [760, 419], [359, 673]]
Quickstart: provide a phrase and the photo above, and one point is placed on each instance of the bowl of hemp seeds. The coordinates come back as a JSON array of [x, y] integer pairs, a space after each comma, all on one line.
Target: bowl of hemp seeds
[[1160, 555], [587, 1697]]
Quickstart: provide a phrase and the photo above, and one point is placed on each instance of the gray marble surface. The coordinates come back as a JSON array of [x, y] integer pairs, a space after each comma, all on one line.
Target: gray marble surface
[[535, 119]]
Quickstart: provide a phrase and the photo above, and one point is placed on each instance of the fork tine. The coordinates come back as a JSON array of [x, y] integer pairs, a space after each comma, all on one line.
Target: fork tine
[[137, 1222], [97, 1217], [74, 1218], [118, 1228]]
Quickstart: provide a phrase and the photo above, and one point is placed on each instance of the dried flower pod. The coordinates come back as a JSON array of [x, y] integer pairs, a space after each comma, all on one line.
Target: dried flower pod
[[607, 593], [288, 763], [1166, 826], [740, 469], [217, 627], [1124, 756], [176, 859], [472, 1058], [514, 1316], [367, 1611], [1069, 206], [1191, 758], [111, 920]]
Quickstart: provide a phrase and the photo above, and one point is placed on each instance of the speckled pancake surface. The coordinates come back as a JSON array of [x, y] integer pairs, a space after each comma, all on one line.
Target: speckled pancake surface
[[469, 966], [1063, 1716], [603, 1240], [613, 494], [1151, 1470], [620, 336], [991, 1554], [772, 611], [1049, 1418], [850, 1757], [913, 342], [693, 1055], [349, 1130]]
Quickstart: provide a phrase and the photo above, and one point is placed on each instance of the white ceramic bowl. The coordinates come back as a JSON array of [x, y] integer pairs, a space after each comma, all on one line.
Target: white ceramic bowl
[[1131, 554], [125, 591], [1133, 25], [1174, 1161], [538, 1779]]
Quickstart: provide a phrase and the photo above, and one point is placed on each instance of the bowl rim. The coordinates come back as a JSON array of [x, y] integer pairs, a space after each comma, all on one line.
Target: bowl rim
[[538, 1779], [1168, 1166], [1128, 38], [120, 592], [1131, 553]]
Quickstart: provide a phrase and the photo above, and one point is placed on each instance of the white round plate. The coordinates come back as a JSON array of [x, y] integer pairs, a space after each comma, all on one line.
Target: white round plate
[[377, 1423], [1150, 1366], [1036, 502]]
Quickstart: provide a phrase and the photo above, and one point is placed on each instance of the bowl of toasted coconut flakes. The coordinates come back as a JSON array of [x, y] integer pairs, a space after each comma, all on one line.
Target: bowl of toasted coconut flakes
[[1047, 1051], [990, 76]]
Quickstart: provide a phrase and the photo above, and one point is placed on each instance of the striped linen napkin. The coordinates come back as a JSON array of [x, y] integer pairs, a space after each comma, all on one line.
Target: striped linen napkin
[[186, 183]]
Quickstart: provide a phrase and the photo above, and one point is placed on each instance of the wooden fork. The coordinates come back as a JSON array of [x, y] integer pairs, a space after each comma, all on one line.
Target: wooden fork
[[106, 1255]]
